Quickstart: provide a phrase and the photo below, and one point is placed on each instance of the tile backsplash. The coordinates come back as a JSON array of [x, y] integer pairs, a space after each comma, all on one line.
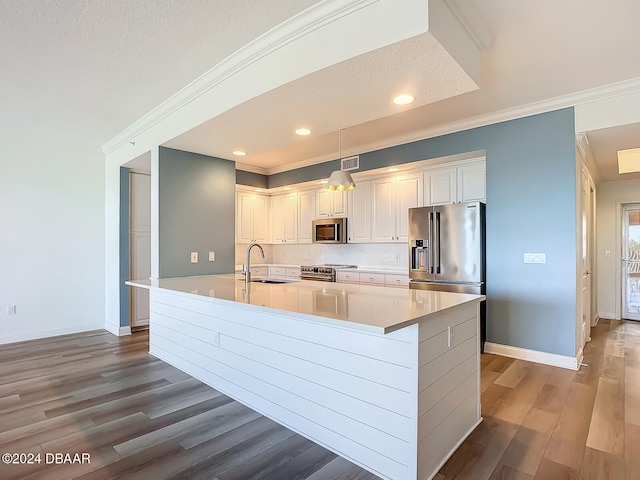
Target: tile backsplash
[[393, 256]]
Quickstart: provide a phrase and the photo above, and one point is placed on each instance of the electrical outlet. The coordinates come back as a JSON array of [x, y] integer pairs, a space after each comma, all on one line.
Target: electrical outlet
[[11, 310], [212, 256], [607, 253], [194, 257], [535, 258]]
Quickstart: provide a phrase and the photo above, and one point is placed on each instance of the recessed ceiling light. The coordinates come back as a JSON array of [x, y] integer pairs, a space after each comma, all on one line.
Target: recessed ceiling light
[[324, 182], [404, 99], [629, 160], [303, 131], [239, 153], [393, 169], [258, 190], [287, 188]]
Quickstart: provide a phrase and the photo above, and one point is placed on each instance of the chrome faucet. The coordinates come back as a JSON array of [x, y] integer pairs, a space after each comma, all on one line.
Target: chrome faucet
[[246, 269]]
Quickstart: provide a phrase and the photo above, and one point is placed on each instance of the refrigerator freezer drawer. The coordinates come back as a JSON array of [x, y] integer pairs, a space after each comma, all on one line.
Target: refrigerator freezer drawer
[[474, 288]]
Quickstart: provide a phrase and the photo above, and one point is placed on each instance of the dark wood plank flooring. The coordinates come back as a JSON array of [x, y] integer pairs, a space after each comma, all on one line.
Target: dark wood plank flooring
[[139, 418]]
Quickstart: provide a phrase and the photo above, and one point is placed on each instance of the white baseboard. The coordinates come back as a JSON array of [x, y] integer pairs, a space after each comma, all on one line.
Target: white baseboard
[[607, 315], [52, 332], [545, 358], [124, 331], [112, 328]]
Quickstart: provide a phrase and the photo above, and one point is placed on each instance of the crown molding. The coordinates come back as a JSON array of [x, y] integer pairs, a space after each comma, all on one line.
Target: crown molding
[[469, 17], [290, 30], [251, 168]]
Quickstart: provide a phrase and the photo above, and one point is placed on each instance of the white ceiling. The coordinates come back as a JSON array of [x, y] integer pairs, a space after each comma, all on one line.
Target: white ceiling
[[87, 70]]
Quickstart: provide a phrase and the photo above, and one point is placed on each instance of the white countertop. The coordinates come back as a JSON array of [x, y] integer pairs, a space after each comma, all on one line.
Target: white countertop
[[363, 307]]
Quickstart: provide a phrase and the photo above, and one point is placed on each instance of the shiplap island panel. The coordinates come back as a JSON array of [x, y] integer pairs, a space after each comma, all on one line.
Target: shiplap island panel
[[388, 378]]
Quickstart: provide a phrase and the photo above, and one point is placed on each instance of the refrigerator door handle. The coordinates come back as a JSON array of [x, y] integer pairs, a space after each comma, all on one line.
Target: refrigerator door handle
[[436, 237], [431, 243]]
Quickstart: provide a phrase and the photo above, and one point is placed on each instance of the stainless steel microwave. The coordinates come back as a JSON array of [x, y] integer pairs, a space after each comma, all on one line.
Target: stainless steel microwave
[[329, 230]]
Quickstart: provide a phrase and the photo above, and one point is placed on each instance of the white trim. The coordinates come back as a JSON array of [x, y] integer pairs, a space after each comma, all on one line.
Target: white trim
[[608, 316], [251, 168], [122, 331], [471, 20], [300, 25], [536, 356], [111, 328], [53, 332]]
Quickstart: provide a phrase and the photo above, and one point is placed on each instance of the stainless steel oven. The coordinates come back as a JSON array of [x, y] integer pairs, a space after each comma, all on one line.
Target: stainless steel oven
[[321, 273]]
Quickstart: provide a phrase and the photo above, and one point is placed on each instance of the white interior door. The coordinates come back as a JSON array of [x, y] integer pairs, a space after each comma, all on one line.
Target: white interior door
[[140, 245], [631, 262]]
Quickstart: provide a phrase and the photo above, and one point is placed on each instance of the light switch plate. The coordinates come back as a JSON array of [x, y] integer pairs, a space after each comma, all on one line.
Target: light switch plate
[[212, 256], [194, 257], [535, 258]]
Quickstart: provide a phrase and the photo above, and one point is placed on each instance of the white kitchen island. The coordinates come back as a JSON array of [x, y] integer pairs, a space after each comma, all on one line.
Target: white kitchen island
[[388, 378]]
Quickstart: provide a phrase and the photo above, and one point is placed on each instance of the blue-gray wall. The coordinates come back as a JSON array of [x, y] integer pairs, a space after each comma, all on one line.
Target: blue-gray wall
[[124, 247], [531, 207], [196, 213]]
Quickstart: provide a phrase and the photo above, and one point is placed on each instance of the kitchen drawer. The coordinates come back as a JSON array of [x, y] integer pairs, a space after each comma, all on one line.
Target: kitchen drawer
[[391, 280], [348, 277], [259, 271], [277, 271], [372, 278], [292, 272]]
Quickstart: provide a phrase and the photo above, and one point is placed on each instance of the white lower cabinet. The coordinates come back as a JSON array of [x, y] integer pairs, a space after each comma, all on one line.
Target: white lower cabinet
[[373, 278], [347, 277], [277, 272], [292, 272], [393, 280], [259, 271], [284, 272]]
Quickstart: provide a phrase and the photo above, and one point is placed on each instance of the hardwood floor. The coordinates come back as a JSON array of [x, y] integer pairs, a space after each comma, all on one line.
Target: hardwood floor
[[139, 418]]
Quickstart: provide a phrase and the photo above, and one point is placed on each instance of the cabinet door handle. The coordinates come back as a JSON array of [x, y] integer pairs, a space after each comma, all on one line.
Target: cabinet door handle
[[449, 337]]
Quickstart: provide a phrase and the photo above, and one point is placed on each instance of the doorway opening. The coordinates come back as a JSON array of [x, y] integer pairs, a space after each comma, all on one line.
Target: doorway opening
[[631, 261], [139, 247]]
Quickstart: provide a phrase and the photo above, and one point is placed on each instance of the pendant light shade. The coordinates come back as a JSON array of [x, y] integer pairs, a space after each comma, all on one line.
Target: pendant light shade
[[340, 179]]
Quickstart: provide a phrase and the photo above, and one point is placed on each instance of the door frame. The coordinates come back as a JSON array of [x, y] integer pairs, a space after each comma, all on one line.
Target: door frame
[[624, 207]]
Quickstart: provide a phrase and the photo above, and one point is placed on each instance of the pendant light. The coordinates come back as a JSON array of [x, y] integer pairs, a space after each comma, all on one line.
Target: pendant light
[[340, 179]]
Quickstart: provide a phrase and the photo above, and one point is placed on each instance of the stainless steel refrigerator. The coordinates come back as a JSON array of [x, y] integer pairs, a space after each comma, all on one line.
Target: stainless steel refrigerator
[[447, 249]]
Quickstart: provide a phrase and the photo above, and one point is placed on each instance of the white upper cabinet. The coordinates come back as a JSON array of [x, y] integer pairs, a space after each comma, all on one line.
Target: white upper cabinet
[[306, 214], [440, 186], [284, 214], [409, 190], [377, 209], [462, 183], [472, 182], [359, 219], [252, 217], [391, 198], [331, 203], [383, 215]]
